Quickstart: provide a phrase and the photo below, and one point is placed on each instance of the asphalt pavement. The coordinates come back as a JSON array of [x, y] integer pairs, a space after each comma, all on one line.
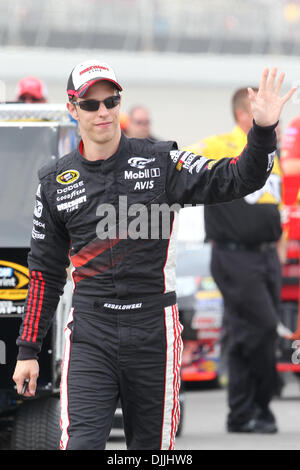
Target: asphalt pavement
[[205, 412], [204, 423]]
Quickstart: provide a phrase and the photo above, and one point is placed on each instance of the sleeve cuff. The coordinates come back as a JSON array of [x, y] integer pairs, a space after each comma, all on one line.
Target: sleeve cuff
[[26, 353], [264, 136], [264, 128]]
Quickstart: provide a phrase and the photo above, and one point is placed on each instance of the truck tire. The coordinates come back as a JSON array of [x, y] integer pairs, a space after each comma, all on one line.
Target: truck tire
[[36, 425]]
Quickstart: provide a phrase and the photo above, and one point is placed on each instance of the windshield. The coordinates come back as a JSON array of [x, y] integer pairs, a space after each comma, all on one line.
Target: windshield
[[23, 151]]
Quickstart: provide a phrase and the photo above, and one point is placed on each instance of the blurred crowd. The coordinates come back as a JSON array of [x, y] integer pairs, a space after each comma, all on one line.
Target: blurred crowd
[[256, 26]]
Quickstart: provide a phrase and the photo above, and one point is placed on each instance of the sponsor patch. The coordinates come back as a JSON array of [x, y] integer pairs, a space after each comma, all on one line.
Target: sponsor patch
[[14, 280], [37, 235], [142, 174], [197, 165], [189, 160], [141, 185], [175, 154], [271, 157], [179, 166], [71, 195], [140, 162], [69, 188], [68, 177], [37, 223], [185, 160], [71, 205], [211, 164], [9, 308], [38, 209]]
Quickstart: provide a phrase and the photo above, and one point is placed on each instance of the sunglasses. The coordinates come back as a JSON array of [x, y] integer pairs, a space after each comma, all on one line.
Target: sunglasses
[[93, 105]]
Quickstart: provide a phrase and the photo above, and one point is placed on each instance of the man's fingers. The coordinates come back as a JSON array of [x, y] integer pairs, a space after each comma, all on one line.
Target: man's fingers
[[32, 385], [288, 95], [19, 381], [263, 80], [26, 371], [279, 83], [26, 389], [271, 80]]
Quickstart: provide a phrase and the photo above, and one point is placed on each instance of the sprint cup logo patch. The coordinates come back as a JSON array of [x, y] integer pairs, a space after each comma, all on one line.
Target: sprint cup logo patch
[[68, 177], [14, 280]]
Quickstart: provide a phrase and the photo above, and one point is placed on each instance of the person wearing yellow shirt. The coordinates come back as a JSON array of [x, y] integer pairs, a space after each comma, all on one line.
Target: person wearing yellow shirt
[[247, 270]]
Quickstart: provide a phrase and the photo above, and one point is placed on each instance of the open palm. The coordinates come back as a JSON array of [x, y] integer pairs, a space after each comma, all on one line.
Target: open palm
[[266, 104]]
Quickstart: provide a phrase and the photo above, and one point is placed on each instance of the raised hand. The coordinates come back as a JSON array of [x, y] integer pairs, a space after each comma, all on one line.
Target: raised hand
[[266, 104]]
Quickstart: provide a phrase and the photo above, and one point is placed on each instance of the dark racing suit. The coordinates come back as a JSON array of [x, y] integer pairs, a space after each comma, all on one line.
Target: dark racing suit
[[123, 337]]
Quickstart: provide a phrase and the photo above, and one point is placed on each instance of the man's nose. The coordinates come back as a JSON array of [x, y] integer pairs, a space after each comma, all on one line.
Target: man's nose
[[102, 110]]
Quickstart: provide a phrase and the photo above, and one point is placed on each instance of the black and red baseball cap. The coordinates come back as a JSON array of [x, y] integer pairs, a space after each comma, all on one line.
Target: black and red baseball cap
[[85, 74]]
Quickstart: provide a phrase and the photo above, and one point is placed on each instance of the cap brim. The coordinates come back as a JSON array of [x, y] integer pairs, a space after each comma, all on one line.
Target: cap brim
[[82, 91], [38, 96]]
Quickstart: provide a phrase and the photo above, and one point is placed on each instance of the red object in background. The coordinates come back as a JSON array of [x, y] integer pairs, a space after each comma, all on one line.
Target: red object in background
[[290, 147], [291, 226], [191, 375], [291, 202], [283, 367]]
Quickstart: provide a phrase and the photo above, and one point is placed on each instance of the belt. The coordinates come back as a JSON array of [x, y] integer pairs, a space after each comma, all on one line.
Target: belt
[[138, 304], [233, 246]]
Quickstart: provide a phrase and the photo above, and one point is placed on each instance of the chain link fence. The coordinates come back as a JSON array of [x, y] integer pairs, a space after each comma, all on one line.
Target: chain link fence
[[192, 26]]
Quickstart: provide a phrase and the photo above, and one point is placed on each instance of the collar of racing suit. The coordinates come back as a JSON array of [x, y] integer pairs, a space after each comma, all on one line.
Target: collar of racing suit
[[106, 165]]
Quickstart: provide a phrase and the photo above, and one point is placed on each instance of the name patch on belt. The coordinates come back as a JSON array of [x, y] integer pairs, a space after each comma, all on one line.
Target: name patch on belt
[[123, 307]]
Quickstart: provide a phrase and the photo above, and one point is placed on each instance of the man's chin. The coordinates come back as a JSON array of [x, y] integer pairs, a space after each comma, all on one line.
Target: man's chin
[[104, 138]]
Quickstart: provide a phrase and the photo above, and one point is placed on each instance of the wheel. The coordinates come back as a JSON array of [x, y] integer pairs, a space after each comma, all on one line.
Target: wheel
[[36, 425]]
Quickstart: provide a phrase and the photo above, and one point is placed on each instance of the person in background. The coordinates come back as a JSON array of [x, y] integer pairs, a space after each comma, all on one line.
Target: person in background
[[247, 270], [31, 90], [139, 123]]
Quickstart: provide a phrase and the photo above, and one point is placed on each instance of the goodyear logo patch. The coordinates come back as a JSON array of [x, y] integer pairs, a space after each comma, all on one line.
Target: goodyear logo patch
[[14, 280], [68, 177]]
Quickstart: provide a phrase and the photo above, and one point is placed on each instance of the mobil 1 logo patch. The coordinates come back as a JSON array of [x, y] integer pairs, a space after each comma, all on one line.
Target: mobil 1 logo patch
[[142, 180]]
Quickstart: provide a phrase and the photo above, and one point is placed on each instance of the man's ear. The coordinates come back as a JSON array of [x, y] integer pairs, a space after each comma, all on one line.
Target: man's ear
[[239, 114], [72, 110]]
